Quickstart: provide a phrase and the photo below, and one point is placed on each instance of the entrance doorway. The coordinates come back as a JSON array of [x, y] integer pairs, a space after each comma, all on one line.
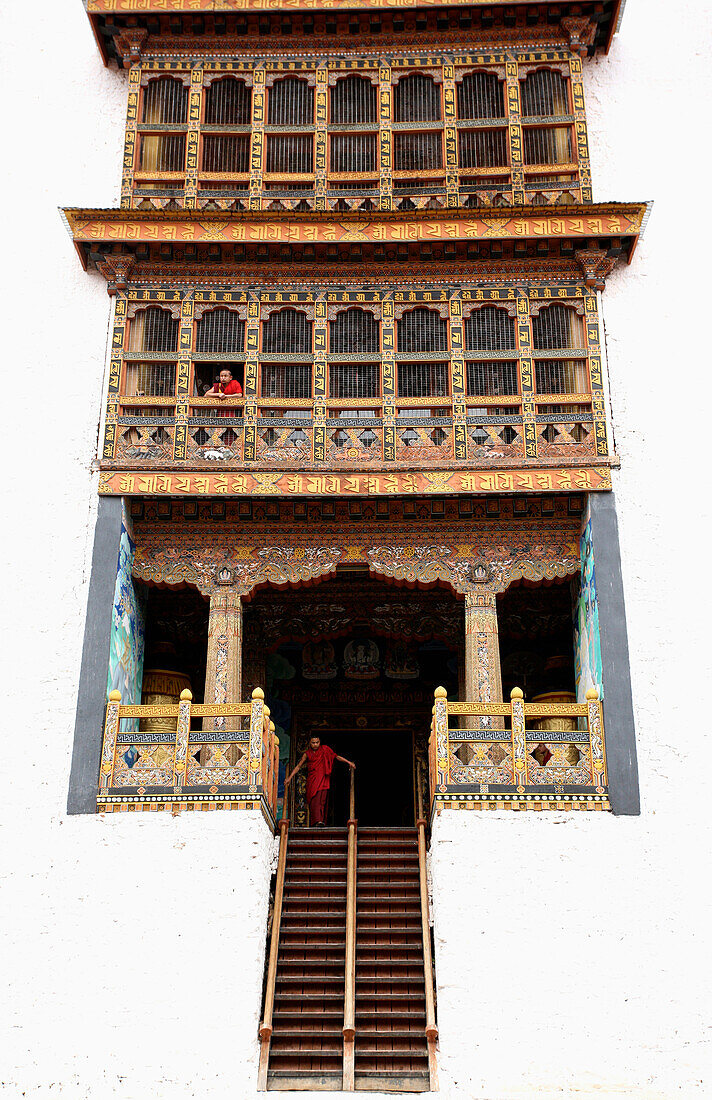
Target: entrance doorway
[[355, 660], [384, 778]]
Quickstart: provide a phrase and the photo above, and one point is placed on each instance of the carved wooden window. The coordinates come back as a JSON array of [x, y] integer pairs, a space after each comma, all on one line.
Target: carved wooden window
[[221, 331], [490, 329], [287, 331], [561, 376], [150, 380], [483, 148], [353, 380], [547, 145], [480, 95], [557, 326], [153, 329], [290, 153], [228, 102], [354, 153], [165, 103], [226, 153], [544, 94], [416, 99], [290, 103], [353, 330], [354, 99], [162, 153], [422, 379], [492, 379], [292, 380], [417, 152], [422, 330]]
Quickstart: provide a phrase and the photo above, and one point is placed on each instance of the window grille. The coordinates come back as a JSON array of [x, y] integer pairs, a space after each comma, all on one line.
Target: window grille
[[287, 330], [480, 95], [356, 414], [417, 152], [489, 329], [422, 379], [353, 330], [416, 99], [353, 153], [561, 376], [226, 154], [492, 379], [354, 100], [228, 102], [165, 101], [153, 330], [162, 153], [422, 330], [483, 148], [544, 93], [353, 380], [146, 410], [557, 327], [286, 380], [221, 331], [150, 380], [291, 103], [547, 146], [290, 153]]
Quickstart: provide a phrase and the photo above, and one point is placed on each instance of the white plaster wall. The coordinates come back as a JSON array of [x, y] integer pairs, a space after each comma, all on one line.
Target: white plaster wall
[[570, 950]]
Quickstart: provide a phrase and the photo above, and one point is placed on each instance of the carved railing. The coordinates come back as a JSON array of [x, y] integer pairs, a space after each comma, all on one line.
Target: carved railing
[[519, 756], [188, 755], [219, 440]]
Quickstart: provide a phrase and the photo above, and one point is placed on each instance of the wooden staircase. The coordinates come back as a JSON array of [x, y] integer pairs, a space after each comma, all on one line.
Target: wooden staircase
[[307, 1049], [391, 1048]]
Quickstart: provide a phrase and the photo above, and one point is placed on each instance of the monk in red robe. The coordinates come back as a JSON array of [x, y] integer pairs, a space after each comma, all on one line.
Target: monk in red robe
[[319, 760], [226, 386]]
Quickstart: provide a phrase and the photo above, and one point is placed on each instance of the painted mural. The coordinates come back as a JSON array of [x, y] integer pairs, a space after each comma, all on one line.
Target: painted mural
[[587, 637], [127, 627]]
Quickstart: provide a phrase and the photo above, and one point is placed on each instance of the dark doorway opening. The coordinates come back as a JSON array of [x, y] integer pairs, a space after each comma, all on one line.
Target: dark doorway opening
[[383, 780]]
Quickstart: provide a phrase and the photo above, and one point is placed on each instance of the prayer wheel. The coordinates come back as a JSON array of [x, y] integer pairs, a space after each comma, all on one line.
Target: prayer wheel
[[561, 723], [161, 687]]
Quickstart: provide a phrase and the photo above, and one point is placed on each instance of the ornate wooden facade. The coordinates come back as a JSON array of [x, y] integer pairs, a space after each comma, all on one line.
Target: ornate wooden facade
[[378, 217]]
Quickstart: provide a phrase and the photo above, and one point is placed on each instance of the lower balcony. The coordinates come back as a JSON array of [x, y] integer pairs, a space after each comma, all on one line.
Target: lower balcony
[[518, 755], [189, 756]]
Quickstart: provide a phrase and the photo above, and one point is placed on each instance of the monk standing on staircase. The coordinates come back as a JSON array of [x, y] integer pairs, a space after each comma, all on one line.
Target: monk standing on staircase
[[319, 760]]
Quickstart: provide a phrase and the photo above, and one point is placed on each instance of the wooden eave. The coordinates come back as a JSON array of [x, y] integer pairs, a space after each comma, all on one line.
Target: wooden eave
[[110, 17], [612, 227]]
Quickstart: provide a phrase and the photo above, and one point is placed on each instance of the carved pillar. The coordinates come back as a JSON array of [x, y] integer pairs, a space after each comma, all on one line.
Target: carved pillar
[[483, 675], [223, 674]]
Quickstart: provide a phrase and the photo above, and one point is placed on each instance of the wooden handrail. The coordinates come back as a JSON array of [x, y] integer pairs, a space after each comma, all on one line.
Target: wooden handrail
[[349, 1028], [266, 1025], [431, 1029]]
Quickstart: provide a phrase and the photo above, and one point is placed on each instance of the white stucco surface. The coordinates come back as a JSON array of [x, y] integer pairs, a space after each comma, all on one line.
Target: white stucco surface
[[570, 950]]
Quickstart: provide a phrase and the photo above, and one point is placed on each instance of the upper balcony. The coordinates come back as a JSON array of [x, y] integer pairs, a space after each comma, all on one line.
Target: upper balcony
[[423, 132], [356, 380]]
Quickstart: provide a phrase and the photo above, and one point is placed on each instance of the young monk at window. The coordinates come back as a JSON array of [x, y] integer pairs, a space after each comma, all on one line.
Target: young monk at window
[[226, 386], [319, 760]]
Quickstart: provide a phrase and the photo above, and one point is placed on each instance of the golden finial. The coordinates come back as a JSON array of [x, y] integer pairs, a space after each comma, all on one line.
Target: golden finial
[[186, 695], [592, 694], [516, 693], [440, 693], [114, 696], [258, 693]]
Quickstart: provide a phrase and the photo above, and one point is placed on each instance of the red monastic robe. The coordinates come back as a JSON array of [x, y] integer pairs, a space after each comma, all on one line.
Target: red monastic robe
[[319, 765]]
